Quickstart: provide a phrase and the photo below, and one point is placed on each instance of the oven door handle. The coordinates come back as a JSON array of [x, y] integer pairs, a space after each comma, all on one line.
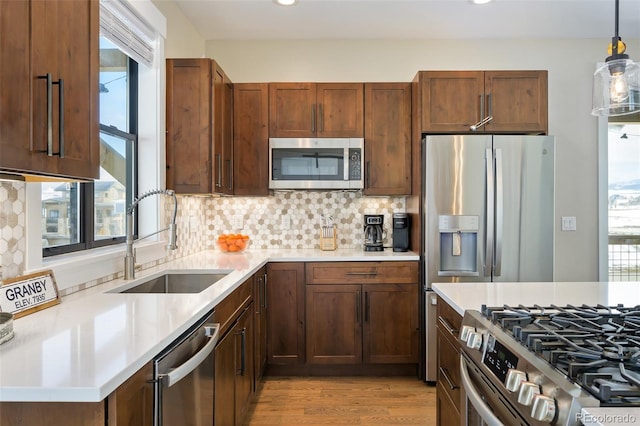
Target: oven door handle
[[179, 373], [474, 397]]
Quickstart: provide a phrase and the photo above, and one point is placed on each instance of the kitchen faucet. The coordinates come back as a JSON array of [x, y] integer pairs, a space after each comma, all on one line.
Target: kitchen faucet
[[130, 256]]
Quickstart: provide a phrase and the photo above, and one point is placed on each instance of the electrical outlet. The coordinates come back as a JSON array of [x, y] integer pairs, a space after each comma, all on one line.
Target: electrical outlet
[[285, 221], [237, 222]]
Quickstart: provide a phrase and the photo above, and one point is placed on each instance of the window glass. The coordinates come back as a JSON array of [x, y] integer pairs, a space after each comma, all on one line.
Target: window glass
[[60, 214], [624, 201]]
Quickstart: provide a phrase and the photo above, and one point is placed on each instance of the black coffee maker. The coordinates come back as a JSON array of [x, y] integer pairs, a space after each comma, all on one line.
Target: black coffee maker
[[401, 231], [373, 232]]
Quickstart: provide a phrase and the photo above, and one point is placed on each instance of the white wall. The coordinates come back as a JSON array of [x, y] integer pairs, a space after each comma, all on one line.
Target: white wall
[[183, 40], [570, 64]]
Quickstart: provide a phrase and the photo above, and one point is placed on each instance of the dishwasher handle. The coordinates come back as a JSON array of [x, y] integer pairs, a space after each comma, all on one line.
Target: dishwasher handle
[[473, 396], [178, 373]]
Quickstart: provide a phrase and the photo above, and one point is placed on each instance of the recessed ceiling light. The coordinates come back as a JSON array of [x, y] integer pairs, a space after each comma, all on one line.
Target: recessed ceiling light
[[285, 2], [481, 1]]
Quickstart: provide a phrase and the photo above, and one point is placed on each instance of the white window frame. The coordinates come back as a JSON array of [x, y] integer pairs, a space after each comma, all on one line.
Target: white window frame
[[77, 268]]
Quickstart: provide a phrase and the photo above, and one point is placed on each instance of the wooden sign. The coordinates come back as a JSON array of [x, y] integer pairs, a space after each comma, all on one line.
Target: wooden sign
[[29, 293]]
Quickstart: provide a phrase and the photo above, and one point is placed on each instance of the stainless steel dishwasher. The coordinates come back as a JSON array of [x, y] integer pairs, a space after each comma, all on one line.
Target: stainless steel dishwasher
[[184, 379]]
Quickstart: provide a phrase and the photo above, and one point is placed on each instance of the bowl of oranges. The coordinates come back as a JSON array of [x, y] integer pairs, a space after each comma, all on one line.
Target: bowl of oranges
[[233, 243]]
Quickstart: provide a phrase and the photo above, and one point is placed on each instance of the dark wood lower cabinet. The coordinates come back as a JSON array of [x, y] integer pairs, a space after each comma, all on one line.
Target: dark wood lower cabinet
[[285, 316], [446, 412], [234, 371]]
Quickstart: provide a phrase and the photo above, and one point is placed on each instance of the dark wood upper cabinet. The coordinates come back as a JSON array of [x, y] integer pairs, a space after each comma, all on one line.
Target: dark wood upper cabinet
[[387, 138], [50, 126], [189, 130], [199, 127], [251, 138], [303, 110], [453, 101]]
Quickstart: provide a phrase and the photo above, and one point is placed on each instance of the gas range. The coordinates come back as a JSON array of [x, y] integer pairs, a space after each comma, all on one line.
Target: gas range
[[543, 364]]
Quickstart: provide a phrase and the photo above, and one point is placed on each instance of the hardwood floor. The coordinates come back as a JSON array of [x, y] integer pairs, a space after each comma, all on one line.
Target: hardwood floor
[[343, 401]]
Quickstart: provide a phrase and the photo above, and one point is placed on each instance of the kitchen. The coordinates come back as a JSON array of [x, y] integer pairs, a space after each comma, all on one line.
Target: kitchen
[[367, 60]]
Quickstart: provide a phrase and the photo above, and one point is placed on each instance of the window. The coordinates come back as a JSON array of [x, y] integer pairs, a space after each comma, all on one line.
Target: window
[[623, 146], [80, 216]]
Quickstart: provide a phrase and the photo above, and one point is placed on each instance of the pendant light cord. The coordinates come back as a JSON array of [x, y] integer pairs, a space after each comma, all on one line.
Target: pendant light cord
[[614, 44]]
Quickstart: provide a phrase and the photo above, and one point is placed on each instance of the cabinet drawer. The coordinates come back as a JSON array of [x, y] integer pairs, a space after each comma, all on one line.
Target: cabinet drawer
[[450, 317], [449, 368], [361, 272], [231, 306]]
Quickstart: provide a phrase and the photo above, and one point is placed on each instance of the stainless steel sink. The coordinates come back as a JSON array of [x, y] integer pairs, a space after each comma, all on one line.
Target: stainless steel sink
[[176, 283]]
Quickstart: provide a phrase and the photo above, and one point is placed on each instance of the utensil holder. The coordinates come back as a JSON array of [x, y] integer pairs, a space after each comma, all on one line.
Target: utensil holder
[[328, 238]]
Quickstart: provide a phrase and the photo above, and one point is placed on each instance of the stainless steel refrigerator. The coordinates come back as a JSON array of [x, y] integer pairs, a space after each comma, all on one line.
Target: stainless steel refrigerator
[[488, 214]]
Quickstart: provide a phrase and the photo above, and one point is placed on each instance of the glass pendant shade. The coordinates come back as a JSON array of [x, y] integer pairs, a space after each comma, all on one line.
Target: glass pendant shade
[[616, 88]]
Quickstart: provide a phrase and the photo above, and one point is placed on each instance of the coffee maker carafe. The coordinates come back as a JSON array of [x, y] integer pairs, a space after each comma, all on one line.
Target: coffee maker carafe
[[373, 232]]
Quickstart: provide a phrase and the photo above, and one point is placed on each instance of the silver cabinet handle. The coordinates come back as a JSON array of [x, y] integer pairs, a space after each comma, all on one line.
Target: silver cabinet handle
[[243, 351], [475, 399], [488, 254], [448, 327], [219, 179], [264, 286], [483, 119], [444, 374], [179, 373], [60, 84], [367, 306], [313, 118], [362, 273]]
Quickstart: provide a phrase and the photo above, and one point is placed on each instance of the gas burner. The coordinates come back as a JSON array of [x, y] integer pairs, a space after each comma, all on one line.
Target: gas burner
[[595, 346]]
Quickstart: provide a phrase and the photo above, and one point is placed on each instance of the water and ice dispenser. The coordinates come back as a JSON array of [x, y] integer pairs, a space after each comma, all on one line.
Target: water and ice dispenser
[[458, 245]]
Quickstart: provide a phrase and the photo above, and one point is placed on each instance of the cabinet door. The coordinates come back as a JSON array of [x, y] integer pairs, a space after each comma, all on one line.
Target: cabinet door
[[387, 138], [225, 377], [390, 325], [227, 137], [446, 412], [132, 402], [189, 138], [285, 317], [339, 110], [218, 166], [517, 100], [56, 126], [15, 129], [251, 139], [260, 306], [292, 110], [244, 348], [451, 100], [334, 324]]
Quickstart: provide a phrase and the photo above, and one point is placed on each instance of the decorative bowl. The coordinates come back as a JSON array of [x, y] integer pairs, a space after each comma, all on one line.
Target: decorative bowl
[[233, 243]]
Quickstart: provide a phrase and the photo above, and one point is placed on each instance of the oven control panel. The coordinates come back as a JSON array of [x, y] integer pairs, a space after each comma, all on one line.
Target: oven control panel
[[498, 358]]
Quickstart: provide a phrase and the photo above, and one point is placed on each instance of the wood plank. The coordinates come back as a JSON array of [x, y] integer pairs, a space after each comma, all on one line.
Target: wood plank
[[343, 401]]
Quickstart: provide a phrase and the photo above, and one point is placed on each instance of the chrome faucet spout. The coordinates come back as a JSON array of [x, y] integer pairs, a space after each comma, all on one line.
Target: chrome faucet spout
[[130, 256]]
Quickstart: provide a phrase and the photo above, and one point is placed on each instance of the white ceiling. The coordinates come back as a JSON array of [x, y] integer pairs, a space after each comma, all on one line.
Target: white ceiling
[[411, 19]]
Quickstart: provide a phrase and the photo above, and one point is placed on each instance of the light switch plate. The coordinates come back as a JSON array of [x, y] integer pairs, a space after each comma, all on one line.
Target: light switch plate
[[568, 223]]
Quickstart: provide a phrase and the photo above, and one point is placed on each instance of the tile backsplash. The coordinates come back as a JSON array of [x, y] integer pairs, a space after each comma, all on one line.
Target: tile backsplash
[[287, 219]]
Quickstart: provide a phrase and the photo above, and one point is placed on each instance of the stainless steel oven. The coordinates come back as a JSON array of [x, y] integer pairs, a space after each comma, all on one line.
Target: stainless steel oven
[[184, 377], [505, 383]]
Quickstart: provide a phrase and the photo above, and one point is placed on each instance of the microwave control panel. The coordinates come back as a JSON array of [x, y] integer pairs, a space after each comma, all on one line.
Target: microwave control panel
[[355, 164]]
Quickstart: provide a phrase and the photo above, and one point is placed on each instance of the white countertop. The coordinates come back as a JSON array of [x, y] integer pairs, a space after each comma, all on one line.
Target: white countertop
[[89, 344], [463, 296]]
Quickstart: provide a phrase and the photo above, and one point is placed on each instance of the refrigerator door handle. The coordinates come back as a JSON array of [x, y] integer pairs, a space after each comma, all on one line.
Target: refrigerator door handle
[[490, 187], [497, 266]]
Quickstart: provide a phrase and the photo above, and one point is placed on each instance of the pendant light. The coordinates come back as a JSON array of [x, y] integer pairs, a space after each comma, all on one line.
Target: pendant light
[[616, 84]]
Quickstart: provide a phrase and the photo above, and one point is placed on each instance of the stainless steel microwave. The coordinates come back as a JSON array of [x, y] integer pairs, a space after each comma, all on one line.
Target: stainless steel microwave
[[316, 163]]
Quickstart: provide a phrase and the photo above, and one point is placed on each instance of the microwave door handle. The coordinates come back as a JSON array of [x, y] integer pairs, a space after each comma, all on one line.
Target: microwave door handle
[[473, 396], [345, 161]]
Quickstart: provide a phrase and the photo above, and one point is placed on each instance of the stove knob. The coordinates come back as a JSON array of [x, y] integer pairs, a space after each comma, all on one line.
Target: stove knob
[[474, 340], [544, 408], [514, 379], [527, 391], [464, 332]]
